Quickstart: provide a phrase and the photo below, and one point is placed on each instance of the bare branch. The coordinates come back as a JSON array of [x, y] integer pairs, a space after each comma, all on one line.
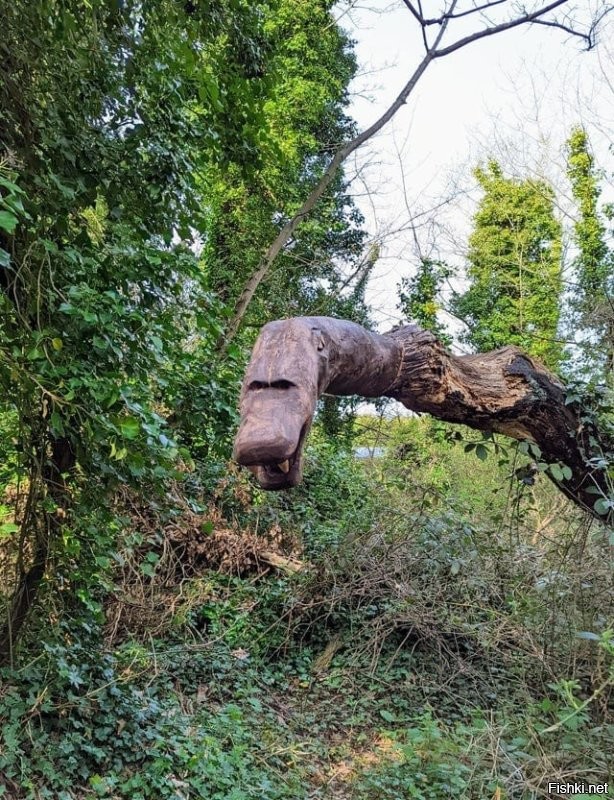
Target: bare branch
[[567, 29], [451, 15], [418, 16], [503, 26], [423, 27], [432, 53]]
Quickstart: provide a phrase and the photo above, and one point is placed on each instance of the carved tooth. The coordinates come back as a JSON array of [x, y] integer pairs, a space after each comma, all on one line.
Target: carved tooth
[[284, 466]]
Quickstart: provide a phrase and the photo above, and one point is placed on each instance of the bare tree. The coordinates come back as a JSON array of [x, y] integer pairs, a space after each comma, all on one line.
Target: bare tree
[[438, 40]]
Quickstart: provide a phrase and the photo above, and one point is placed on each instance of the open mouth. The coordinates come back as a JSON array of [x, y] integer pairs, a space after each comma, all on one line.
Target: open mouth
[[278, 469], [282, 474]]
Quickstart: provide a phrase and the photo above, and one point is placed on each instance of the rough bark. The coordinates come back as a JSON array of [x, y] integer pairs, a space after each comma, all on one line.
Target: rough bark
[[41, 531], [504, 391]]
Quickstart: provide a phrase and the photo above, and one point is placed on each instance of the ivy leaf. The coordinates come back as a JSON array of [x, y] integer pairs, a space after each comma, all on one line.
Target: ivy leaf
[[602, 506], [130, 428], [8, 221]]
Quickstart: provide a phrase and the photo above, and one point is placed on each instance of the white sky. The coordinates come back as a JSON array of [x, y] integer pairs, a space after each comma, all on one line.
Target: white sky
[[515, 95]]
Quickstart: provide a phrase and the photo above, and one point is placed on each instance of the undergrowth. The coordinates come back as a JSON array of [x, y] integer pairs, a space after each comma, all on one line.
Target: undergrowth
[[362, 637]]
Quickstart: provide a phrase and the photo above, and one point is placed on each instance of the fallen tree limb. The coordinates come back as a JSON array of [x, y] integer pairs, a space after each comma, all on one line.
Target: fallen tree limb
[[504, 391]]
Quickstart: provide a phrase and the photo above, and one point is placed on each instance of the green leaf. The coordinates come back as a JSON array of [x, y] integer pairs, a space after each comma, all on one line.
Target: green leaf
[[556, 472], [5, 258], [12, 187], [130, 428], [148, 569], [8, 529], [602, 506], [535, 450], [8, 221], [481, 452]]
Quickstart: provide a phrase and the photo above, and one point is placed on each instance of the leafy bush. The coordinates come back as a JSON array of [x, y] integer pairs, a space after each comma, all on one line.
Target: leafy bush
[[82, 722]]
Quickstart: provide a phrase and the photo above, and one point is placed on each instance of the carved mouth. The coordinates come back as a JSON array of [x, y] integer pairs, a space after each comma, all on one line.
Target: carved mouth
[[286, 473]]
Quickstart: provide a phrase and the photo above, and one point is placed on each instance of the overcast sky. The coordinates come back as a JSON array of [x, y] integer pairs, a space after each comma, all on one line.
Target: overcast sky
[[516, 95]]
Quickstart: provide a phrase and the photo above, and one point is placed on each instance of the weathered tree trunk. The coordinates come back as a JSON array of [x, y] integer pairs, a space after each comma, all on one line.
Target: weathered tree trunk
[[39, 532], [504, 391]]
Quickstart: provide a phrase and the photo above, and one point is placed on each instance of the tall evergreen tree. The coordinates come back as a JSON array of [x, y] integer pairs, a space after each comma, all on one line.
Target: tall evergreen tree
[[592, 301], [309, 66], [514, 267]]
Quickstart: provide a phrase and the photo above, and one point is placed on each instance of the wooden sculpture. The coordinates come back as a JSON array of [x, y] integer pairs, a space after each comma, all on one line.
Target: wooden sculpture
[[295, 360]]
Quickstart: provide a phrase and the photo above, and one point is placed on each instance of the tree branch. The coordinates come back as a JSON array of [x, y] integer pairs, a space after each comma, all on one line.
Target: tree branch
[[296, 360], [450, 15], [345, 150], [504, 26]]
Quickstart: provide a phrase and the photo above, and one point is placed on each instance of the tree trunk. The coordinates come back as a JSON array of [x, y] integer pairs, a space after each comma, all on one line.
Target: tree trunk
[[43, 531], [506, 391]]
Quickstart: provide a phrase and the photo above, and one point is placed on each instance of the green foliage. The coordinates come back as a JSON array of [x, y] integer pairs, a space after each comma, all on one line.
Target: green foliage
[[310, 65], [594, 264], [457, 640], [148, 154], [331, 503], [427, 763], [110, 111], [514, 268], [85, 723], [419, 297], [145, 161]]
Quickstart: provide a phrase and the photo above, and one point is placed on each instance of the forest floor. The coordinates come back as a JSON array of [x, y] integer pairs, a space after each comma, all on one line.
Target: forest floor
[[356, 640]]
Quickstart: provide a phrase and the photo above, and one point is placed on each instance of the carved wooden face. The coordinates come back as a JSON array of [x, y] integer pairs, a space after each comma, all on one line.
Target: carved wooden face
[[278, 399]]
